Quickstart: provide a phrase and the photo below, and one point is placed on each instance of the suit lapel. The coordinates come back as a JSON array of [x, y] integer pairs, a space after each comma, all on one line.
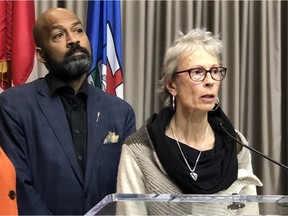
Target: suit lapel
[[96, 124], [54, 113]]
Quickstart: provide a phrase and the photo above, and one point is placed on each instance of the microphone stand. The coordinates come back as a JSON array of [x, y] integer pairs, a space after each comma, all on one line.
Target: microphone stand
[[250, 148]]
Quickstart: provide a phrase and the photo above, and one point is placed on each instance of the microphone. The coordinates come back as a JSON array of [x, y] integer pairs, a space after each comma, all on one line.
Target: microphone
[[220, 124]]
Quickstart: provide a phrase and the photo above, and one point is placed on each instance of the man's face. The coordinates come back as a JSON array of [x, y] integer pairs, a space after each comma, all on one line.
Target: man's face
[[65, 47]]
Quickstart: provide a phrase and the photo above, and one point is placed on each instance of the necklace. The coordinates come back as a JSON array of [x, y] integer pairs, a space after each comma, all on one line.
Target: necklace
[[193, 174]]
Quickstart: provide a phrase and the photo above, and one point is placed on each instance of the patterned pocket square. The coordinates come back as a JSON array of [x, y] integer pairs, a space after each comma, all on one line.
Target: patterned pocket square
[[111, 138]]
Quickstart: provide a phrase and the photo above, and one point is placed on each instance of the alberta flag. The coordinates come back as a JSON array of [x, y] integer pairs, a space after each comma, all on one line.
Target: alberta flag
[[104, 32]]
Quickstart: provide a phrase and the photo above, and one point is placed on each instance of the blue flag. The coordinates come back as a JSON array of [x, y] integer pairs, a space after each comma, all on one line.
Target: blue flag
[[104, 32]]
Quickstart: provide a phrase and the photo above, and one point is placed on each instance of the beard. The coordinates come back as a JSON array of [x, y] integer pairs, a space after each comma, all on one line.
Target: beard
[[72, 67]]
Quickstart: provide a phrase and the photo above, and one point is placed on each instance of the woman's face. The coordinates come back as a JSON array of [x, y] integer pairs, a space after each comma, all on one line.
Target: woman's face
[[195, 95]]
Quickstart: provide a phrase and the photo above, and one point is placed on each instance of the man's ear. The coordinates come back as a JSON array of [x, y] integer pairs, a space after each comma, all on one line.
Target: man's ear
[[40, 55]]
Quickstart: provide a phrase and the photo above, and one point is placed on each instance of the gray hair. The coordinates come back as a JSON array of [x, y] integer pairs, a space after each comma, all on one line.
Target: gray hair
[[198, 38]]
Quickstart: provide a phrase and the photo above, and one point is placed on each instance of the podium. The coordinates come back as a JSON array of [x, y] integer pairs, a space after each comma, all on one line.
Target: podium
[[190, 204]]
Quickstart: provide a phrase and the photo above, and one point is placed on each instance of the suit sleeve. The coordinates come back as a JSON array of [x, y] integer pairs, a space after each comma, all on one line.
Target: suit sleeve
[[12, 137], [130, 126]]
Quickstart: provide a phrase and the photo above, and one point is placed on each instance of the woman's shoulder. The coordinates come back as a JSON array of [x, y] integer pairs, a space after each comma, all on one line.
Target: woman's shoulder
[[140, 136]]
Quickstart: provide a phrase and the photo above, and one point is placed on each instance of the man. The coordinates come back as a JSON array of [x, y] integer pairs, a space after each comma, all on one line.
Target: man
[[63, 135]]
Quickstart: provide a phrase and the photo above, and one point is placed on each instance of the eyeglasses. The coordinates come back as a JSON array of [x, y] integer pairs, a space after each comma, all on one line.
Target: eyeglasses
[[199, 74]]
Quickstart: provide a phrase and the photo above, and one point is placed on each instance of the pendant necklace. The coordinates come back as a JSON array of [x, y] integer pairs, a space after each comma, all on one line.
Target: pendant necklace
[[193, 174]]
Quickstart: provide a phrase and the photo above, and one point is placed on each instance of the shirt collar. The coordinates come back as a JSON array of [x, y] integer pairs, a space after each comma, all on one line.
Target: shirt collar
[[54, 84]]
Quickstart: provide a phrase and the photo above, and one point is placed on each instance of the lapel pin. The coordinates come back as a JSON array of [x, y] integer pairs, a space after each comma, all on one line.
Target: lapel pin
[[98, 114]]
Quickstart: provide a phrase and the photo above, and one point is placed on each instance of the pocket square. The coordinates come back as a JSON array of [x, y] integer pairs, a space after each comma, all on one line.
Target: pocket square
[[111, 138]]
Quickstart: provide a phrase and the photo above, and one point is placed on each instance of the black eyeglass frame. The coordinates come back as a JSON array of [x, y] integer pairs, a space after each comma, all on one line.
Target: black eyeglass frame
[[223, 73]]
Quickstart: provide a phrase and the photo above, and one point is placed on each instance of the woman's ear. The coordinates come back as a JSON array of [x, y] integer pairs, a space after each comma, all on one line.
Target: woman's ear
[[171, 88], [40, 55]]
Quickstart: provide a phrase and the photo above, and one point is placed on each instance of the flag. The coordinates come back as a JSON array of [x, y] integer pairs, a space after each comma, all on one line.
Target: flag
[[104, 32], [17, 47]]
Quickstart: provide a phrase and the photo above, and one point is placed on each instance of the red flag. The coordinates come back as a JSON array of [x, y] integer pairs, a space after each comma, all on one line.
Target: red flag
[[18, 47]]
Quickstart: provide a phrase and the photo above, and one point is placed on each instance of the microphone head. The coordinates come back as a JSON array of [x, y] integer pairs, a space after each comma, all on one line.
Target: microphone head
[[218, 121], [218, 125]]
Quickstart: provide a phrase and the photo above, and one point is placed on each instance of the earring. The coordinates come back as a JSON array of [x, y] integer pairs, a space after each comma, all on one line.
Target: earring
[[173, 102], [216, 104]]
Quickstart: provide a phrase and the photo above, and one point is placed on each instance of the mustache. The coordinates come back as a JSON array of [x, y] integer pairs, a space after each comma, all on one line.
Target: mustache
[[75, 48]]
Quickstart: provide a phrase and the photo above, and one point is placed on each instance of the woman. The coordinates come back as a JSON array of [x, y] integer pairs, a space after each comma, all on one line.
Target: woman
[[8, 202], [181, 149]]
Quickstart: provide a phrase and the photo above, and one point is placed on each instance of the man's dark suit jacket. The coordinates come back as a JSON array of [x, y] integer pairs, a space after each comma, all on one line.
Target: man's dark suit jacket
[[36, 135]]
